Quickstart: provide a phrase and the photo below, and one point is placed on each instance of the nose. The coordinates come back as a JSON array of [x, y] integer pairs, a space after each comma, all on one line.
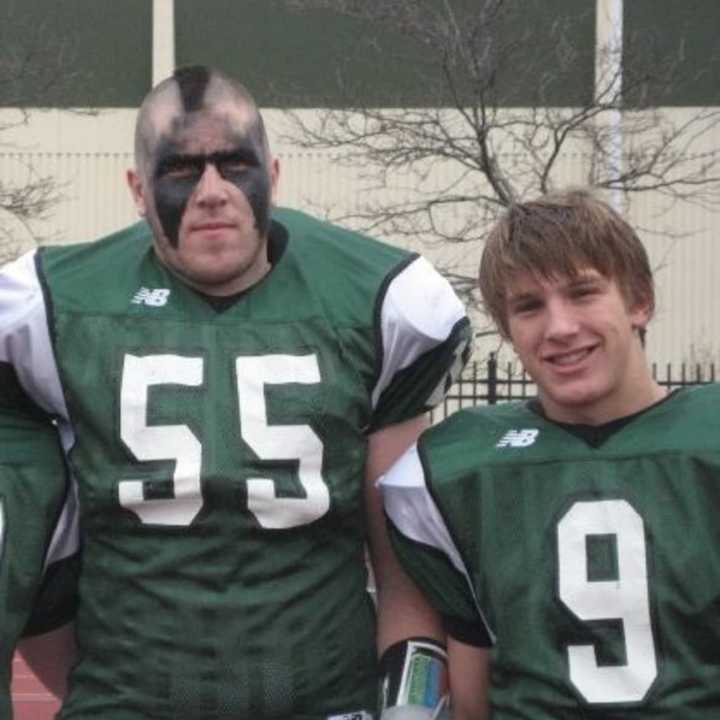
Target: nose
[[210, 190], [561, 320]]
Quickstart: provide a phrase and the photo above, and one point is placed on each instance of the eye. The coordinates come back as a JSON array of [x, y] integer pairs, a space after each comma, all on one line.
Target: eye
[[233, 165], [584, 291], [180, 169], [525, 306], [181, 172]]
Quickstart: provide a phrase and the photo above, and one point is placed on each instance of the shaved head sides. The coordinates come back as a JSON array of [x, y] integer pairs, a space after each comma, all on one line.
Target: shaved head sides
[[189, 90]]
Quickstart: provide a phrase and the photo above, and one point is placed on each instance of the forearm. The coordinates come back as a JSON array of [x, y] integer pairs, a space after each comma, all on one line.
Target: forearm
[[469, 669], [402, 610], [410, 637]]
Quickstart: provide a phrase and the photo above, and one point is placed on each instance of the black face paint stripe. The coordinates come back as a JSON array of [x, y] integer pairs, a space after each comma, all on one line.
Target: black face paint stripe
[[193, 82], [241, 162]]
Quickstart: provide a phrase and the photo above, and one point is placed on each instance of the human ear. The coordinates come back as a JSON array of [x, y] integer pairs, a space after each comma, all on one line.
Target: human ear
[[640, 313], [137, 191], [274, 179]]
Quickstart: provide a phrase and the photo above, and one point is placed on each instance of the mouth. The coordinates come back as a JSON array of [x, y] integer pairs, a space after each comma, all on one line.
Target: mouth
[[569, 359], [212, 226]]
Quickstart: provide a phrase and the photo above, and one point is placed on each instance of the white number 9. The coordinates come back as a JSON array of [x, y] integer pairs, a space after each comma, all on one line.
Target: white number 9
[[625, 598]]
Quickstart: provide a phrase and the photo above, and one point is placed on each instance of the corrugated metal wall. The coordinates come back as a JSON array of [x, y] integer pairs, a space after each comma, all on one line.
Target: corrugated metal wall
[[88, 155]]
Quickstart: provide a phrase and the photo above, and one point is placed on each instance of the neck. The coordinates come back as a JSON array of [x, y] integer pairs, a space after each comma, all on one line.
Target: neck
[[234, 285]]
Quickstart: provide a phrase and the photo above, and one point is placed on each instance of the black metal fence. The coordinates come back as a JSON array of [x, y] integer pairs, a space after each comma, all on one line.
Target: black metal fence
[[491, 382]]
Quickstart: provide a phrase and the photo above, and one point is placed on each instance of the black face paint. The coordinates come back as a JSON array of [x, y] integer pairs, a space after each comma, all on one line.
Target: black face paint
[[248, 172], [177, 174]]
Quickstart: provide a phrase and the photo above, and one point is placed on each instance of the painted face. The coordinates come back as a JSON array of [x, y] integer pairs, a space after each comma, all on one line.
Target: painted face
[[577, 338], [177, 174], [207, 189]]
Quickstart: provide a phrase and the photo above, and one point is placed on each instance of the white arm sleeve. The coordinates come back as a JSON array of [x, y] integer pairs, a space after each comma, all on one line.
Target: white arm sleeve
[[419, 312], [25, 334]]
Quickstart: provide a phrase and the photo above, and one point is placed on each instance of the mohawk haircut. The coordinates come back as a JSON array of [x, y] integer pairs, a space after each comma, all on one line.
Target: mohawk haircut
[[193, 82], [198, 86]]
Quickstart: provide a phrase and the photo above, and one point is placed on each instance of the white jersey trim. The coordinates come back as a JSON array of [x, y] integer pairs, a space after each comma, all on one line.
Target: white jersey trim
[[25, 343], [25, 334], [419, 311], [65, 539], [410, 506]]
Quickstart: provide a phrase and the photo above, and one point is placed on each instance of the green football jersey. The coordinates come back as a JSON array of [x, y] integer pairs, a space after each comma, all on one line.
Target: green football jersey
[[219, 454], [590, 563], [36, 537]]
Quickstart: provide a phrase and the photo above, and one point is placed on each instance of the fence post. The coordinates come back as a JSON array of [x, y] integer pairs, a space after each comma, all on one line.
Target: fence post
[[492, 379]]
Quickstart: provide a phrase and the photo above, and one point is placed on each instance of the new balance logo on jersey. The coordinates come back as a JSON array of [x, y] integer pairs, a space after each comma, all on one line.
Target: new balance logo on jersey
[[518, 438], [156, 297]]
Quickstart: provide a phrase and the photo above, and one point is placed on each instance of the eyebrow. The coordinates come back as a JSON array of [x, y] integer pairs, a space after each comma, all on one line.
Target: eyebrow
[[514, 299], [175, 159], [586, 279]]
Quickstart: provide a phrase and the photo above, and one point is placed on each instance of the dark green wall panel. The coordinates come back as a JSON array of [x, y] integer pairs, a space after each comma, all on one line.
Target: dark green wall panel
[[75, 53], [68, 53], [321, 59], [675, 44]]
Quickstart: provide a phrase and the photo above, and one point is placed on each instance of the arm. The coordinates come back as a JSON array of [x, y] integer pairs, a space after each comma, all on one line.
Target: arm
[[423, 543], [50, 656], [403, 613], [469, 680], [402, 610]]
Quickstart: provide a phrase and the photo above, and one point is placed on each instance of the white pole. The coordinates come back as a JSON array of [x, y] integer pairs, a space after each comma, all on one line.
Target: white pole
[[608, 80], [163, 56]]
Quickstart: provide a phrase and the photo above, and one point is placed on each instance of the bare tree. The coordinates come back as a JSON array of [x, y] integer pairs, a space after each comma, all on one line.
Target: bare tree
[[35, 64], [443, 171]]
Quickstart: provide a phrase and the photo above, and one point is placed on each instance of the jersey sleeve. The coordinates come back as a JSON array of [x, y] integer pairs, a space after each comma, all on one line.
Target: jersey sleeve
[[25, 341], [39, 537], [427, 551], [424, 339]]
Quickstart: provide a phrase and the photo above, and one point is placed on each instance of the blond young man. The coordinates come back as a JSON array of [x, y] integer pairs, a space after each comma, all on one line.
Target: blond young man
[[571, 542]]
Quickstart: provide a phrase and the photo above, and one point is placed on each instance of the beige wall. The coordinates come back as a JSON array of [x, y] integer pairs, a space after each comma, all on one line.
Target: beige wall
[[89, 154]]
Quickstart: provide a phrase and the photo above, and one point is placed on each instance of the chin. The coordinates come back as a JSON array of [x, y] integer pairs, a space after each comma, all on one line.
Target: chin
[[576, 394], [211, 280]]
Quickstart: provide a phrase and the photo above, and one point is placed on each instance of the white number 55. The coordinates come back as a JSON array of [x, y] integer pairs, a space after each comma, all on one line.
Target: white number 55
[[179, 443]]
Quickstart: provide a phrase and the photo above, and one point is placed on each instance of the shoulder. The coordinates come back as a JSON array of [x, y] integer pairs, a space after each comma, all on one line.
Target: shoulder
[[74, 274], [98, 257], [689, 416], [699, 396], [359, 273], [19, 286], [481, 426], [349, 254], [473, 438]]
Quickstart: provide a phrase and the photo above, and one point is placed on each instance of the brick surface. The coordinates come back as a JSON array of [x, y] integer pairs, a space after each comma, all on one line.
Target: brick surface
[[30, 699]]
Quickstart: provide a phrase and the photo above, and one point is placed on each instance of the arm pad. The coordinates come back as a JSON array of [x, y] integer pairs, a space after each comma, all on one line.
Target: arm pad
[[414, 682]]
